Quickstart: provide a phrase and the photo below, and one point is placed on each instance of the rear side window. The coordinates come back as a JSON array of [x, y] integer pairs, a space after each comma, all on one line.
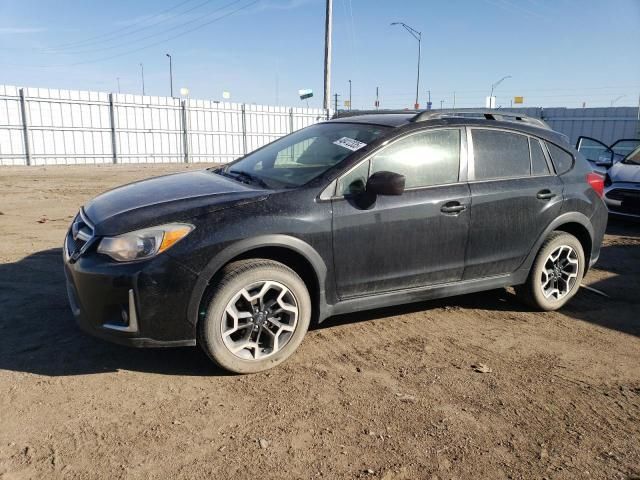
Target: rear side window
[[425, 158], [538, 161], [500, 154], [562, 161]]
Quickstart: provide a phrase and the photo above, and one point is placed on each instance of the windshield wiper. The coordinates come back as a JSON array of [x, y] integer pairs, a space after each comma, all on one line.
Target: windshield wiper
[[247, 177]]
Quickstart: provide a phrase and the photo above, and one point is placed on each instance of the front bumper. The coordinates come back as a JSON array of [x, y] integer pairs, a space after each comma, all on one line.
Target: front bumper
[[623, 199], [142, 304]]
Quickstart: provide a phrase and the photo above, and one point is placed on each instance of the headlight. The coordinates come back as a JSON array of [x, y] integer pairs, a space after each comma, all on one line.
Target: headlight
[[144, 243]]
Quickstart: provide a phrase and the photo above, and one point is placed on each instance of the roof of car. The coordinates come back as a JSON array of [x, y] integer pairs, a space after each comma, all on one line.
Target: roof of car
[[478, 117]]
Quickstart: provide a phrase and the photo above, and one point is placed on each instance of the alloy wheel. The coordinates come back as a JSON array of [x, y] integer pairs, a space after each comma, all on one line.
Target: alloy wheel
[[559, 273], [259, 320]]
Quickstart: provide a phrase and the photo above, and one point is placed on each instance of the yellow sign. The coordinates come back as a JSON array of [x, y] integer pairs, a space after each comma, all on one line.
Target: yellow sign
[[347, 104], [518, 99]]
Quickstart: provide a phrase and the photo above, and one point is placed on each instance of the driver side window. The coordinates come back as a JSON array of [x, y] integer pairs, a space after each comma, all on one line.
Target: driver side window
[[425, 158]]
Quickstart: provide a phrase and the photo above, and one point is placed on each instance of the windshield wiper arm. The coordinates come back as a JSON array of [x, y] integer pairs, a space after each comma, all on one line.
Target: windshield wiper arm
[[249, 177]]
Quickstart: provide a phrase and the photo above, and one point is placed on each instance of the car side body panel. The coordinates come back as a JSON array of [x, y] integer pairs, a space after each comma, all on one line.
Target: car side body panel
[[400, 241]]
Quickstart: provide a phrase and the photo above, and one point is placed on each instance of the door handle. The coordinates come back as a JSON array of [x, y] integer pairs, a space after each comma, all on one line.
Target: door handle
[[545, 194], [452, 207]]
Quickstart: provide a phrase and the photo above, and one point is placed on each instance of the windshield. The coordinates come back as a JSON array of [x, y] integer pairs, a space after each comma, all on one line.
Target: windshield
[[296, 159], [633, 158]]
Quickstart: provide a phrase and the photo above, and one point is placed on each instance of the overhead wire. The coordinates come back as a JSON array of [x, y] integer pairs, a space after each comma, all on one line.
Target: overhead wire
[[163, 32], [144, 47], [122, 31]]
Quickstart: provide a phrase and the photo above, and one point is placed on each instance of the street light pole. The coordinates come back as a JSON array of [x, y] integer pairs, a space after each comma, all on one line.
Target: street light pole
[[494, 85], [350, 104], [327, 55], [142, 75], [418, 36], [616, 99], [170, 74]]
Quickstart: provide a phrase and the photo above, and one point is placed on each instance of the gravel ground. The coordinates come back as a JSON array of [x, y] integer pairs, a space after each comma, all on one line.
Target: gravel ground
[[472, 386]]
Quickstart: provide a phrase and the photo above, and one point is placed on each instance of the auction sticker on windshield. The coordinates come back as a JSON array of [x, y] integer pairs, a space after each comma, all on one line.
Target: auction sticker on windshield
[[350, 143]]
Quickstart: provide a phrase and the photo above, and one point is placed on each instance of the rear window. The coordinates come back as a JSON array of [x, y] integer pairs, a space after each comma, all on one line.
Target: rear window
[[562, 160], [500, 154], [538, 161]]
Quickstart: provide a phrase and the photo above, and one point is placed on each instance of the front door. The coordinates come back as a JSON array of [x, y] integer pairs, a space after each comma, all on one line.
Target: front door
[[406, 241]]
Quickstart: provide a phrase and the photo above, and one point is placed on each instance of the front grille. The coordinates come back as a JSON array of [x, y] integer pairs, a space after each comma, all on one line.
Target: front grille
[[79, 236], [622, 194], [626, 209]]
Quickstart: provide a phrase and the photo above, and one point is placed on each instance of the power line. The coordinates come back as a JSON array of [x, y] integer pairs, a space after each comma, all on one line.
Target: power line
[[118, 32], [163, 32], [221, 17], [134, 32]]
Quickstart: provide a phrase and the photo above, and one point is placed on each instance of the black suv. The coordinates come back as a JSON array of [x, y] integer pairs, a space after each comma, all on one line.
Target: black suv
[[349, 214]]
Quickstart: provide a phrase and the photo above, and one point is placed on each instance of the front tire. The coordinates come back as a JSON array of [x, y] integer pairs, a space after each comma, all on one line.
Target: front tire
[[556, 273], [257, 316]]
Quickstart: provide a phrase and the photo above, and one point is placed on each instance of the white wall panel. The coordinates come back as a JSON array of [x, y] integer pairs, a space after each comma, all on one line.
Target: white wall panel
[[74, 127]]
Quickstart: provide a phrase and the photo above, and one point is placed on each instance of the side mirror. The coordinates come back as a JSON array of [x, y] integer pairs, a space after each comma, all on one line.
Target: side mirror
[[386, 183], [605, 159]]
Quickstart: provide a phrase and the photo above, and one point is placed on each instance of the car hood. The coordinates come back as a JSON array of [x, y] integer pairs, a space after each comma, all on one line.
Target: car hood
[[625, 172], [176, 197]]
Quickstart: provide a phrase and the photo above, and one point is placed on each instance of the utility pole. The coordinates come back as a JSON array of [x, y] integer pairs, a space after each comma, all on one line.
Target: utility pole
[[142, 74], [441, 102], [118, 80], [335, 102], [429, 100], [454, 100], [418, 36], [327, 55], [350, 104], [170, 74], [638, 114], [378, 101]]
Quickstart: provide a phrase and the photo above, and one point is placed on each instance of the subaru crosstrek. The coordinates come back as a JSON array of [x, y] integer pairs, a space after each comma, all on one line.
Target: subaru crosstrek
[[349, 214]]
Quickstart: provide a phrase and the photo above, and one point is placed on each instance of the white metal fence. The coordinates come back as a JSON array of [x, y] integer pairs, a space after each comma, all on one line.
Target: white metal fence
[[40, 126], [606, 124]]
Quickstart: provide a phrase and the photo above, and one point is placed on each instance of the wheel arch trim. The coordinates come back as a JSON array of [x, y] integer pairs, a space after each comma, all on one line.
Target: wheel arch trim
[[242, 247], [563, 219]]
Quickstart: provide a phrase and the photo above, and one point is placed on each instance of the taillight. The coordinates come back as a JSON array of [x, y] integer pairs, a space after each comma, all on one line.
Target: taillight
[[597, 182]]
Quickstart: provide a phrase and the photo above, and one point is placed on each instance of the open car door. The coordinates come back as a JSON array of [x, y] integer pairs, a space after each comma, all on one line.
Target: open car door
[[623, 147], [602, 156]]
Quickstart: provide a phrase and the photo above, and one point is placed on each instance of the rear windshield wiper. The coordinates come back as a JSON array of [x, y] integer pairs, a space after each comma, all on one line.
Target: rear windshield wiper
[[247, 176]]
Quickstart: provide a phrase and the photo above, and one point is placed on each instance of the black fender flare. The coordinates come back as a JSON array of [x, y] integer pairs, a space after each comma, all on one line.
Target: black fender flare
[[569, 217], [238, 248]]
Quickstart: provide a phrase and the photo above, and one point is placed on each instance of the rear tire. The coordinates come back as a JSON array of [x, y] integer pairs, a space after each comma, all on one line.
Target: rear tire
[[556, 273], [258, 313]]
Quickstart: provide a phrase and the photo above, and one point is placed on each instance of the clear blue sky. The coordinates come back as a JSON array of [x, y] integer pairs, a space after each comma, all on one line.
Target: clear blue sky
[[558, 52]]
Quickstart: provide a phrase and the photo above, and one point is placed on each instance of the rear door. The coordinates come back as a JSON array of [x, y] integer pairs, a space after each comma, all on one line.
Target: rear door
[[514, 196]]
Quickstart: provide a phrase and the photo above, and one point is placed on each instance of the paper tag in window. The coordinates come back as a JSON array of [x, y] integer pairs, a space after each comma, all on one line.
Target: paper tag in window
[[350, 143]]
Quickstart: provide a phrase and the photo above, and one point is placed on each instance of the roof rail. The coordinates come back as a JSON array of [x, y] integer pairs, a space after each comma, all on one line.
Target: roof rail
[[355, 113], [489, 114]]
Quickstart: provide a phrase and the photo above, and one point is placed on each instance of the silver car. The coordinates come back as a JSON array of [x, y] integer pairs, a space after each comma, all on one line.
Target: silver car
[[622, 186]]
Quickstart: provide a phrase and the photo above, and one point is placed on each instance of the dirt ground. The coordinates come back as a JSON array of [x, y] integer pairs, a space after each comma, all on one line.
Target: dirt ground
[[388, 394]]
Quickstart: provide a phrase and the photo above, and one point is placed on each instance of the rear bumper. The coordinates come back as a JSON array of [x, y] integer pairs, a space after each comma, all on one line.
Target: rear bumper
[[140, 304]]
